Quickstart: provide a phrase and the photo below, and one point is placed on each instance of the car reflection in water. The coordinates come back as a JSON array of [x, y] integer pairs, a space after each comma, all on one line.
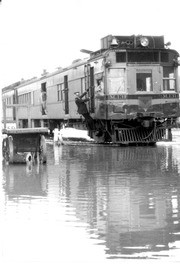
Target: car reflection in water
[[26, 180]]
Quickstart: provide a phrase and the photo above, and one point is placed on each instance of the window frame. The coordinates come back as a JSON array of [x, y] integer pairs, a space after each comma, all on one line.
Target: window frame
[[145, 72], [60, 92], [169, 81]]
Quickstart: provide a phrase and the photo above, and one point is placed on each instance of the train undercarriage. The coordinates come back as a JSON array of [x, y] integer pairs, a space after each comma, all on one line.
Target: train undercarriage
[[138, 131], [133, 132]]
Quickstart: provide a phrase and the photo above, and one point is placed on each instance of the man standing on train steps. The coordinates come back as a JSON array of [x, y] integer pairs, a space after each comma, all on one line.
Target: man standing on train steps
[[82, 108]]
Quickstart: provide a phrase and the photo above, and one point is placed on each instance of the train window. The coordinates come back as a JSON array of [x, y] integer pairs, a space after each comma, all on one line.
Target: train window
[[45, 123], [24, 123], [120, 56], [99, 87], [168, 72], [82, 85], [9, 100], [116, 81], [144, 81], [25, 98], [60, 92], [43, 98], [43, 87], [169, 82], [164, 57], [37, 123], [143, 56]]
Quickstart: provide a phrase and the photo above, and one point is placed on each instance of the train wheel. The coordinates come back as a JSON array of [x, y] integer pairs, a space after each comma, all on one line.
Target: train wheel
[[42, 151]]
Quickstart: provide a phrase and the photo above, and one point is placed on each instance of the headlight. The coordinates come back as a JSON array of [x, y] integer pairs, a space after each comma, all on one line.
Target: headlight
[[144, 41]]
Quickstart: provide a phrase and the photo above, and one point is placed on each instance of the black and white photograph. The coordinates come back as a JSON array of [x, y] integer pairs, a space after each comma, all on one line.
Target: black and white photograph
[[90, 132]]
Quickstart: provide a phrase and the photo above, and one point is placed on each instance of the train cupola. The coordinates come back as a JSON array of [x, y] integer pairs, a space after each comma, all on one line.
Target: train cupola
[[133, 42]]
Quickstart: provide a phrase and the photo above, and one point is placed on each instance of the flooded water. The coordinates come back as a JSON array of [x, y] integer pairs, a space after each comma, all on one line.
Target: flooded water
[[93, 204]]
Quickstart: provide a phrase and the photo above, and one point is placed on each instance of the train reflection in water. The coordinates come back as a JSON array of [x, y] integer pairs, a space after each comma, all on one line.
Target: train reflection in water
[[128, 197]]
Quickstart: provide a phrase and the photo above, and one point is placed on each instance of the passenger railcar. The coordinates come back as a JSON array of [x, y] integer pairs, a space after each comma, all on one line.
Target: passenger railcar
[[132, 82]]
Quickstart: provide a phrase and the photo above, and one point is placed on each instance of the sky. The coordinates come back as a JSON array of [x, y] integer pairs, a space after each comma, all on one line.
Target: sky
[[46, 34]]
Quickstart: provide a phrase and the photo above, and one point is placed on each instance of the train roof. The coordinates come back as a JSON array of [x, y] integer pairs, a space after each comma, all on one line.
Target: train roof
[[107, 43], [44, 75]]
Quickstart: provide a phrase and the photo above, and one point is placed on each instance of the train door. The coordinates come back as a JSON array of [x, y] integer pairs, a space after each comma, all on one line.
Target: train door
[[43, 98], [89, 84], [15, 101], [91, 88], [66, 95]]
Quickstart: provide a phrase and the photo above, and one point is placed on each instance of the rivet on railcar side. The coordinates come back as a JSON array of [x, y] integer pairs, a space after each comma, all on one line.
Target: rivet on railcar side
[[132, 83]]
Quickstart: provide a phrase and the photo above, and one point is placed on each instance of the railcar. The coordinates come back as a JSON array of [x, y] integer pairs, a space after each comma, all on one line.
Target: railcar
[[132, 82]]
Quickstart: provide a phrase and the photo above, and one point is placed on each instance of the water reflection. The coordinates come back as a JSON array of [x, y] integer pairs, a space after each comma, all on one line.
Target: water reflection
[[25, 180], [128, 199], [130, 196]]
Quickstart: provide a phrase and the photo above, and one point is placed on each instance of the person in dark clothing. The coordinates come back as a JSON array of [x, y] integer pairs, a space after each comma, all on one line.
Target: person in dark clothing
[[82, 109]]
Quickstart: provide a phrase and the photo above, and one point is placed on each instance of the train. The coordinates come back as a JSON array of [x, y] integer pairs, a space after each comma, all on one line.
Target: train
[[133, 86]]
